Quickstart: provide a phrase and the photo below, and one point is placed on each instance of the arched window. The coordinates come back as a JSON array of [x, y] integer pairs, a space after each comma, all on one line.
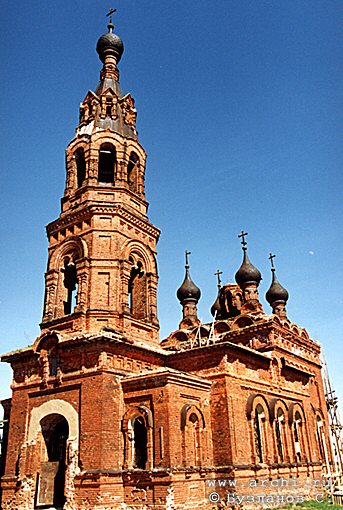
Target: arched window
[[132, 172], [107, 161], [297, 426], [140, 443], [137, 426], [70, 283], [80, 166], [258, 432], [279, 434]]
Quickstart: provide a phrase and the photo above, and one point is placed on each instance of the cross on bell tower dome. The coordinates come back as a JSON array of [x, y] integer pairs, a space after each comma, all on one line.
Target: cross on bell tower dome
[[102, 268]]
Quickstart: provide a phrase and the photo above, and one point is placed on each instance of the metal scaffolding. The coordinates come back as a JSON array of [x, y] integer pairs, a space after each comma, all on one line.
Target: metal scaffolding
[[336, 436]]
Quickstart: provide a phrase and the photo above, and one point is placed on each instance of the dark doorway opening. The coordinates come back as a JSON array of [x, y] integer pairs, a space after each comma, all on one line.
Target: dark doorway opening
[[55, 432], [141, 441]]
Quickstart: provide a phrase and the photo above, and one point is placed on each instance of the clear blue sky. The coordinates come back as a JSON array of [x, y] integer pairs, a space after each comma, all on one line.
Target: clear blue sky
[[240, 111]]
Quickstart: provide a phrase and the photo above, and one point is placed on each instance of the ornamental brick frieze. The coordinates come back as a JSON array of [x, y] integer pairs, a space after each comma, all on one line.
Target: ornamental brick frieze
[[118, 210], [71, 219]]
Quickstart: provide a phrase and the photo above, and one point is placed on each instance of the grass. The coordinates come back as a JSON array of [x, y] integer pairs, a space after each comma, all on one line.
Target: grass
[[313, 505]]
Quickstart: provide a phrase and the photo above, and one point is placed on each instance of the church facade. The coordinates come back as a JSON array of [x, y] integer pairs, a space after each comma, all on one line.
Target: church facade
[[103, 414]]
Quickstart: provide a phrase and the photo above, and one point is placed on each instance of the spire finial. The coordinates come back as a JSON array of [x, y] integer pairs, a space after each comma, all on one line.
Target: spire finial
[[187, 252], [110, 25], [271, 258], [243, 242], [217, 274]]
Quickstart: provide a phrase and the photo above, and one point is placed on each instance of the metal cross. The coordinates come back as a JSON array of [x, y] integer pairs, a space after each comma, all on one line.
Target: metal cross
[[271, 257], [110, 12], [187, 253], [242, 235], [217, 274]]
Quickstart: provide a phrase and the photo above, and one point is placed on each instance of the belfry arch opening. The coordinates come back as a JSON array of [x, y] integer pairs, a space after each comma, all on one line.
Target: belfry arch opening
[[80, 166], [70, 284], [140, 443], [132, 172], [137, 290], [107, 163], [55, 432]]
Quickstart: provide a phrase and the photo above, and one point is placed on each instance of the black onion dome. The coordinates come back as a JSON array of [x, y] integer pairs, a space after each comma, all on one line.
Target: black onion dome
[[188, 290], [216, 308], [110, 43], [276, 292], [247, 273]]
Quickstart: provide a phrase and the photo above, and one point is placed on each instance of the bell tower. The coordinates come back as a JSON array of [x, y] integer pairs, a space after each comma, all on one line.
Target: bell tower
[[102, 270]]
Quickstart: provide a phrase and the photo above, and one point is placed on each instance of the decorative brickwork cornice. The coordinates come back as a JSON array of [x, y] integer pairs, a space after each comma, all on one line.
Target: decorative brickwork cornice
[[67, 220], [120, 211], [297, 367], [166, 376], [88, 212]]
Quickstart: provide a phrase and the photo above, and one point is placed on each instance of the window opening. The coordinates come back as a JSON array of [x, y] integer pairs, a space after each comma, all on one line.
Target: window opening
[[141, 443], [297, 432], [109, 106], [80, 166], [53, 369], [259, 414], [278, 430], [2, 426], [132, 168], [107, 160], [137, 290], [320, 437], [70, 283]]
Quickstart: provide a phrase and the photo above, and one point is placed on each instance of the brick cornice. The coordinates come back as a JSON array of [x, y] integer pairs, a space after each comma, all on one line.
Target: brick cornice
[[69, 219], [91, 210], [163, 377]]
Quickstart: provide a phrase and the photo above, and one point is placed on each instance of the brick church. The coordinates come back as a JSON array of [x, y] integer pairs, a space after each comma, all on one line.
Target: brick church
[[105, 415]]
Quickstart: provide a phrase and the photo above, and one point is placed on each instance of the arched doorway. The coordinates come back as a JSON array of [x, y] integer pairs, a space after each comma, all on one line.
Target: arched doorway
[[55, 432], [141, 443]]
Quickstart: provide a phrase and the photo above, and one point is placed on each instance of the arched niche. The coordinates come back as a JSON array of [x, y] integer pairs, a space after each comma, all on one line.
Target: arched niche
[[242, 321], [193, 435], [221, 327]]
